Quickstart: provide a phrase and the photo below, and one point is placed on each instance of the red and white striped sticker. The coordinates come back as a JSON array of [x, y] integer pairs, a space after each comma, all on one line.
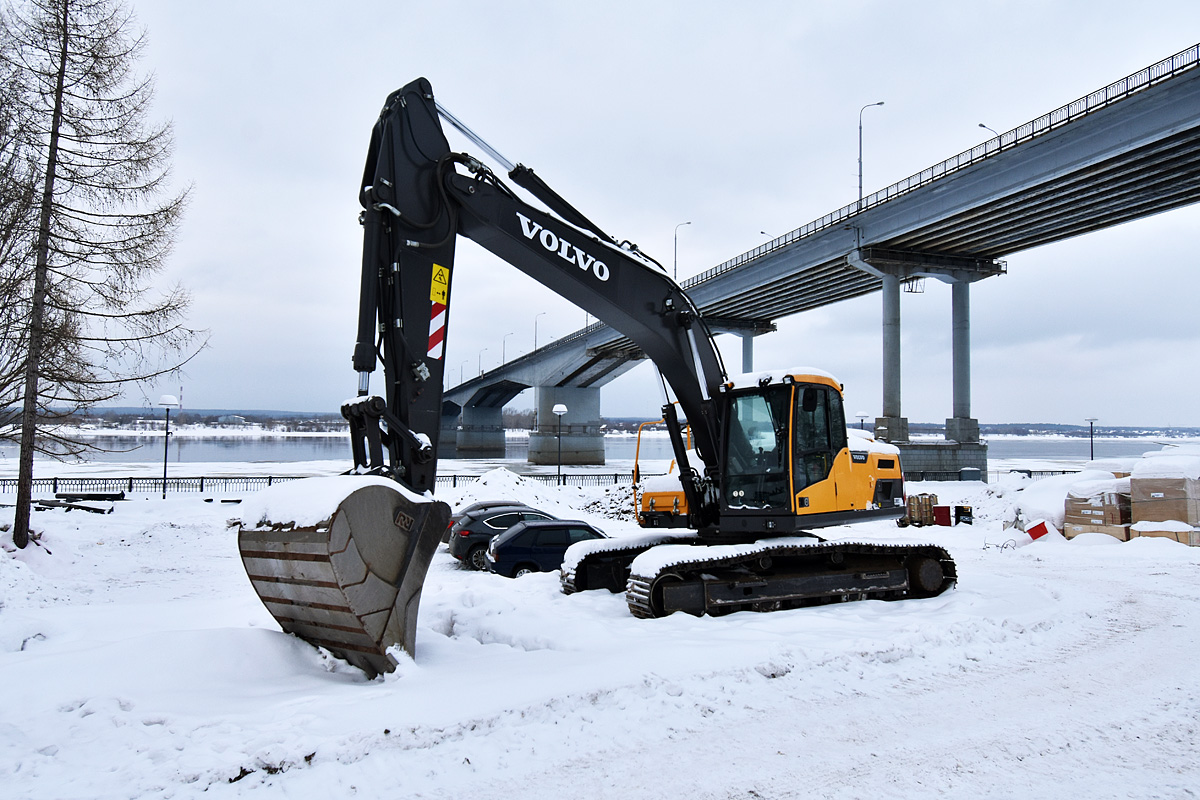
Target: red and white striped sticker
[[437, 330]]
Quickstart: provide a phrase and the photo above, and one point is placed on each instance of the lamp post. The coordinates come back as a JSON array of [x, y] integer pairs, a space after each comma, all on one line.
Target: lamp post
[[167, 401], [462, 369], [559, 409], [986, 128], [481, 352], [675, 268], [860, 113], [503, 342], [535, 316], [1091, 421]]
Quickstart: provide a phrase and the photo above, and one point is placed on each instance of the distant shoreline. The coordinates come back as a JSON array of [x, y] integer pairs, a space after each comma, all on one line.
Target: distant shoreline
[[253, 432]]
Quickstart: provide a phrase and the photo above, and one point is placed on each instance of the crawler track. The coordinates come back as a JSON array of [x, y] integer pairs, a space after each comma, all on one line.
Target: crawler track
[[604, 564], [770, 576]]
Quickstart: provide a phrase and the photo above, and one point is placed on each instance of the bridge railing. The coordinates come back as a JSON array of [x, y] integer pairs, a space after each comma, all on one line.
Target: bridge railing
[[1114, 92]]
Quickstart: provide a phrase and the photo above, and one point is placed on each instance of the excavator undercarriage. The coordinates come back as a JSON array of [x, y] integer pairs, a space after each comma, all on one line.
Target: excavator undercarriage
[[662, 575]]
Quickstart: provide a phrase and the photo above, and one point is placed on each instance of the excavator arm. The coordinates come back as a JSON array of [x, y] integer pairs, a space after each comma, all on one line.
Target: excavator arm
[[417, 196]]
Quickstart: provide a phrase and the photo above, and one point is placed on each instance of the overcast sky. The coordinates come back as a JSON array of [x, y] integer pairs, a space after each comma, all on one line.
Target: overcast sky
[[739, 118]]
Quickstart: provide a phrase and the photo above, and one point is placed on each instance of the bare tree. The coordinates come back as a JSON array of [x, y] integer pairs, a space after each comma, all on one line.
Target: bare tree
[[18, 182], [92, 321]]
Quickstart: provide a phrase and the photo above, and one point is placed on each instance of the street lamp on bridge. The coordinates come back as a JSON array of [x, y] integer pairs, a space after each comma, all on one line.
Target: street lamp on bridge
[[860, 113], [535, 316], [675, 269], [993, 130]]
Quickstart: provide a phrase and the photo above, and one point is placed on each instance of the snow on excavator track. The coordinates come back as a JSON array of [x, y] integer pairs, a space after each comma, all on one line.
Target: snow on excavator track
[[778, 574], [340, 562]]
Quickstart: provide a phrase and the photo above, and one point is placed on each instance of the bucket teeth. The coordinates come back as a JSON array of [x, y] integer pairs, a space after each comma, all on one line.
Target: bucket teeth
[[352, 585]]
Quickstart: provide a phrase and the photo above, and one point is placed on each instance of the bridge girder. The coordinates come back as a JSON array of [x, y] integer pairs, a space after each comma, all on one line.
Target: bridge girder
[[1131, 158]]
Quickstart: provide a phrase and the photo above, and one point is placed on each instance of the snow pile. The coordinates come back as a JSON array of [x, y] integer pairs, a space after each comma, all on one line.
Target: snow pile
[[1170, 462], [616, 503], [1085, 489], [1046, 499], [1122, 465], [501, 483], [1172, 525]]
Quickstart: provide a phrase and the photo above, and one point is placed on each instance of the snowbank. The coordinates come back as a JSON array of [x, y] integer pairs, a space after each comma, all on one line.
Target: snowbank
[[140, 664]]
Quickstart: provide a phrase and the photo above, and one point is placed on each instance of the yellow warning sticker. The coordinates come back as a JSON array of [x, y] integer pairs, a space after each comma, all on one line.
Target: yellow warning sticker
[[439, 287]]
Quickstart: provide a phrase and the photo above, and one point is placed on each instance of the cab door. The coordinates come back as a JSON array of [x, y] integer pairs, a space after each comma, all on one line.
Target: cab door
[[818, 440]]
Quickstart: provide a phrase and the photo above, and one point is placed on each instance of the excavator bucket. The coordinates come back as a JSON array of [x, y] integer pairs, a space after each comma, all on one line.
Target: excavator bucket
[[340, 562]]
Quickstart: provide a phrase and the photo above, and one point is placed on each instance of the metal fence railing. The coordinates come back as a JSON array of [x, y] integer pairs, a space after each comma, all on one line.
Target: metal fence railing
[[992, 474], [249, 483], [253, 483]]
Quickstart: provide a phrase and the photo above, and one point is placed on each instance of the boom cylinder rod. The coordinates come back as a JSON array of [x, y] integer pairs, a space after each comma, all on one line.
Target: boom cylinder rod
[[475, 138]]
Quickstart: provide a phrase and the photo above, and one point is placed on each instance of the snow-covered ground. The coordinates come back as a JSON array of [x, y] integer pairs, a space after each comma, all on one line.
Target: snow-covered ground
[[136, 661]]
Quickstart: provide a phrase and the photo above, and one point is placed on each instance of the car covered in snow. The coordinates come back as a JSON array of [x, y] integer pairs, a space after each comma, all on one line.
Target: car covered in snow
[[469, 536], [536, 546]]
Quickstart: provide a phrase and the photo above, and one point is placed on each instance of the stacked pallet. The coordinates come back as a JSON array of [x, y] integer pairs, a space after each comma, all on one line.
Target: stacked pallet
[[1102, 506], [1165, 490], [1159, 498]]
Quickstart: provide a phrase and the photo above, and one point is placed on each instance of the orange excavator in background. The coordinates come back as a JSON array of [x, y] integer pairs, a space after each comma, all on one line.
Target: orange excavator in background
[[770, 459]]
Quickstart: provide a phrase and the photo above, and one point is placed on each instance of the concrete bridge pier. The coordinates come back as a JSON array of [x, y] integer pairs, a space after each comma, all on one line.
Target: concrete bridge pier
[[891, 427], [747, 352], [481, 434], [961, 427], [582, 438], [962, 454], [448, 438]]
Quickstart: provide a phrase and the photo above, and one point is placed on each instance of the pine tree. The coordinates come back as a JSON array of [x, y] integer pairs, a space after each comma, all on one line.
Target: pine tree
[[93, 320]]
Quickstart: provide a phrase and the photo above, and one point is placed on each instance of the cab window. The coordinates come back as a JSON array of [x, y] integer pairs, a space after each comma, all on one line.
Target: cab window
[[819, 434], [756, 447]]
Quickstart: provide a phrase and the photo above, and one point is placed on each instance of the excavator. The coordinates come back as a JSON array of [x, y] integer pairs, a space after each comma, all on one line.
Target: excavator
[[767, 458]]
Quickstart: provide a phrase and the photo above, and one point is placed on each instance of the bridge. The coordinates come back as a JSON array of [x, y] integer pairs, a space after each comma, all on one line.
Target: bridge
[[1128, 150]]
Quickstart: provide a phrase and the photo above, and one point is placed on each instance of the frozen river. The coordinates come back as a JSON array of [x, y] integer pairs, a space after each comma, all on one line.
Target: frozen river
[[197, 447]]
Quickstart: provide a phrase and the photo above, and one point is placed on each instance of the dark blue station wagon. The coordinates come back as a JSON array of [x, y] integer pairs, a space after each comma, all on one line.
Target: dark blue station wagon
[[536, 546]]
